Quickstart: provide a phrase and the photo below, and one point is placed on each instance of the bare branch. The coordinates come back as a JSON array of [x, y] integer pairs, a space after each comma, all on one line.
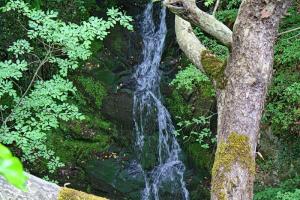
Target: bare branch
[[188, 10], [216, 7], [288, 31], [198, 54], [188, 41]]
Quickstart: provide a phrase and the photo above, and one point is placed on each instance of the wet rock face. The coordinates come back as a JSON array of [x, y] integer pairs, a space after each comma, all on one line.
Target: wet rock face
[[116, 178], [118, 107]]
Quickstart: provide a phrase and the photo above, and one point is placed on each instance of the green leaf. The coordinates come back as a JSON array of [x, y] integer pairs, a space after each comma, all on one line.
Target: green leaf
[[11, 168]]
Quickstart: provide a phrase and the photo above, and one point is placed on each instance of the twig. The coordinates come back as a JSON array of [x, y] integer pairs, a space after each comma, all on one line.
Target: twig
[[2, 118], [18, 86], [36, 56], [45, 60], [216, 7], [288, 31]]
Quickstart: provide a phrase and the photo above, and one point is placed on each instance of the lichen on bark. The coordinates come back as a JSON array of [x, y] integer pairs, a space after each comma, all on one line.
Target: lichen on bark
[[214, 68], [235, 150], [70, 194]]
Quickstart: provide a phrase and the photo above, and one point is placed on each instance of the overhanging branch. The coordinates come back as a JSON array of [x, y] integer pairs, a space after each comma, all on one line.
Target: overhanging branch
[[188, 41], [188, 10], [198, 54]]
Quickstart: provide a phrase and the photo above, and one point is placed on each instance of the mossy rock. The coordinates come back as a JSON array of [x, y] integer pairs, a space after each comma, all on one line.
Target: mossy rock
[[72, 150], [115, 177], [91, 128], [91, 91], [77, 142]]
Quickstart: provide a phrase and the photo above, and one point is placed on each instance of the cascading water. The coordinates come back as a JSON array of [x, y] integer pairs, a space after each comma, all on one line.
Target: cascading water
[[164, 176]]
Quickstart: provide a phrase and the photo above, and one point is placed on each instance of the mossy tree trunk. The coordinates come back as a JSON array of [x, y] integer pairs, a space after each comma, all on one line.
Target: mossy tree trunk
[[241, 84]]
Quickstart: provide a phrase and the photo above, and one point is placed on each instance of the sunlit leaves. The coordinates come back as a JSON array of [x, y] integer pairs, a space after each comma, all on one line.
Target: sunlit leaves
[[198, 131], [191, 78], [31, 115], [11, 168], [74, 39], [10, 69], [20, 47], [208, 2]]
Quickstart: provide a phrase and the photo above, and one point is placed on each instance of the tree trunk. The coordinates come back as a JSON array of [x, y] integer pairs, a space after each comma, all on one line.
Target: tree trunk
[[39, 189], [241, 85], [241, 103]]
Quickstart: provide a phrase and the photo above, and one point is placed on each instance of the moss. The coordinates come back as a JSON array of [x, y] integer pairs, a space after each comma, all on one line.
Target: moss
[[235, 150], [105, 74], [89, 128], [72, 150], [178, 105], [93, 89], [214, 68], [70, 194]]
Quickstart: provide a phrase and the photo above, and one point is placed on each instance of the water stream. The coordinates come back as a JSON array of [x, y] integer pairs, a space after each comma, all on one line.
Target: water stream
[[164, 175]]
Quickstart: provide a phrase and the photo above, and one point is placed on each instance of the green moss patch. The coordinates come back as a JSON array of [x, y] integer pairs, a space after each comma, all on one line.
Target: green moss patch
[[235, 150], [71, 150], [70, 194], [214, 68], [92, 91]]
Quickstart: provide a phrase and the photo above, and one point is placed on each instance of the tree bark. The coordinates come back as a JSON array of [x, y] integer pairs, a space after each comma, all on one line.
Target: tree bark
[[39, 189], [248, 73], [244, 85], [188, 10], [188, 41]]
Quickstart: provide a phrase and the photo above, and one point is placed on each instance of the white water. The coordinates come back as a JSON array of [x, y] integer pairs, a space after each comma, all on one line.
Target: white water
[[148, 111]]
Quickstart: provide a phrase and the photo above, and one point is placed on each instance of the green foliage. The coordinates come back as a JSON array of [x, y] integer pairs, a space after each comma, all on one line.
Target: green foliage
[[188, 78], [295, 195], [11, 168], [267, 194], [20, 47], [282, 110], [227, 16], [285, 191], [232, 4], [178, 106], [208, 3], [284, 113], [191, 78], [225, 4], [287, 47], [33, 111], [198, 129], [195, 130], [212, 44]]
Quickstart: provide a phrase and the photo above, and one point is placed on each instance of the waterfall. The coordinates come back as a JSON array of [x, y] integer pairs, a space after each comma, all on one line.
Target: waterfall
[[164, 174]]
